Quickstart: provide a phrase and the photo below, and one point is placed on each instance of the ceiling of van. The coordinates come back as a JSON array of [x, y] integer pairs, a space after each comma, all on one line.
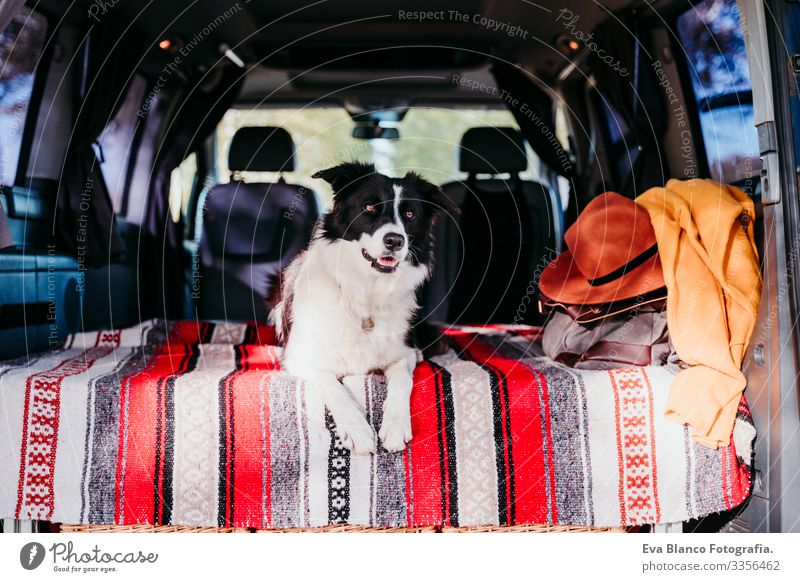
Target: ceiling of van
[[328, 49]]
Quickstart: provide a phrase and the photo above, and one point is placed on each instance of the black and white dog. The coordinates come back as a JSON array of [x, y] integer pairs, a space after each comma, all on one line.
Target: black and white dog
[[348, 303]]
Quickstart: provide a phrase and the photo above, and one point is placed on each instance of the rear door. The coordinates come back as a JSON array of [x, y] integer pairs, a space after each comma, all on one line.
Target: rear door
[[773, 52]]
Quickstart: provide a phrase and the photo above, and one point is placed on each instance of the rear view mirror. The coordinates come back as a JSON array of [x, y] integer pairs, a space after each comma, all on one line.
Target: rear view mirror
[[362, 131]]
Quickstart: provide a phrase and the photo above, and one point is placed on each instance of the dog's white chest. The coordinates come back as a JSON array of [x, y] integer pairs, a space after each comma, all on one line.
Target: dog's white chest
[[351, 325]]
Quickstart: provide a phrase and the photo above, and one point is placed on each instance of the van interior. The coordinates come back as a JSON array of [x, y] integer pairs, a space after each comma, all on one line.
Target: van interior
[[157, 157]]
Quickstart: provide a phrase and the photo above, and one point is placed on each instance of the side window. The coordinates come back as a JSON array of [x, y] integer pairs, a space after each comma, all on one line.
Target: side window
[[181, 185], [116, 142], [711, 35], [563, 135], [623, 149], [21, 46]]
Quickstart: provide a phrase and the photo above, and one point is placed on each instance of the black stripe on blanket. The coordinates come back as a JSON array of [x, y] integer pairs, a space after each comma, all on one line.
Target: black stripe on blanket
[[338, 476], [512, 485], [445, 414], [207, 332]]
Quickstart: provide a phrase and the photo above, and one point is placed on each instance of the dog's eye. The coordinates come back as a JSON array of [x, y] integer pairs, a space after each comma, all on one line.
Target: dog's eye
[[369, 208], [410, 214]]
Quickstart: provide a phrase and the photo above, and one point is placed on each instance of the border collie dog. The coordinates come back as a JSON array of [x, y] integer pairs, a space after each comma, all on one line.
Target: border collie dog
[[348, 303]]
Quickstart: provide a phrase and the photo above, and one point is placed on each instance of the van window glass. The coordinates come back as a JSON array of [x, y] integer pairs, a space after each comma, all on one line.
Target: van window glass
[[181, 185], [563, 135], [623, 149], [711, 35], [116, 141], [21, 46], [428, 144]]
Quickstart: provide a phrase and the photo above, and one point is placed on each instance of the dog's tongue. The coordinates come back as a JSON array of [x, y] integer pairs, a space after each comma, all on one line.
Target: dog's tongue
[[387, 261]]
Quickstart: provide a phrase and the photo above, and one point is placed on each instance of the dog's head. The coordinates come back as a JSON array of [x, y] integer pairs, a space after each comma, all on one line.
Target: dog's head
[[390, 219]]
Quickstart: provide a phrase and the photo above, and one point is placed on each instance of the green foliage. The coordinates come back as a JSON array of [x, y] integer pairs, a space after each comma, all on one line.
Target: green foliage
[[428, 143]]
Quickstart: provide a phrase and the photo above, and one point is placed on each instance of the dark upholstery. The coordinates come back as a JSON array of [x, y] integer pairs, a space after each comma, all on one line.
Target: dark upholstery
[[492, 150], [261, 149], [487, 257], [250, 232]]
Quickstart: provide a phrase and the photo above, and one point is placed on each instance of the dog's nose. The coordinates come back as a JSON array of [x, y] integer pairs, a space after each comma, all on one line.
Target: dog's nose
[[394, 241]]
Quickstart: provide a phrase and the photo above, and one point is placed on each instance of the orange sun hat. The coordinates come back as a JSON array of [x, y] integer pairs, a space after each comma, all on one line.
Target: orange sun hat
[[611, 255]]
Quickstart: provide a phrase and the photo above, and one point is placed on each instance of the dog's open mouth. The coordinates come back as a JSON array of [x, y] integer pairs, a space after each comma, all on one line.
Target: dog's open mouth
[[382, 264]]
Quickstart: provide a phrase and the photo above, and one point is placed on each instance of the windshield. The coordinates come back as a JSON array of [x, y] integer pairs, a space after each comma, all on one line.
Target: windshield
[[428, 143]]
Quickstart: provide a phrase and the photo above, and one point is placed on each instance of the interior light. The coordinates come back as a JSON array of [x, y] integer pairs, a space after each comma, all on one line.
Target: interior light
[[566, 45]]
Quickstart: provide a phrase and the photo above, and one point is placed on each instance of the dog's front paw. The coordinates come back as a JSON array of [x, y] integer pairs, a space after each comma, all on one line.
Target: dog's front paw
[[395, 430], [359, 439], [354, 431]]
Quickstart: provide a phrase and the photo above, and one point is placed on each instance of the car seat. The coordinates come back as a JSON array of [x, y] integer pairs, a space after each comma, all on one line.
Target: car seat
[[251, 230], [488, 259]]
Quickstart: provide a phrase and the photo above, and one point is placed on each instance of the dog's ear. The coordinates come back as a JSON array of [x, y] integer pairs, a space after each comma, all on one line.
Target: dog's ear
[[434, 195], [344, 175]]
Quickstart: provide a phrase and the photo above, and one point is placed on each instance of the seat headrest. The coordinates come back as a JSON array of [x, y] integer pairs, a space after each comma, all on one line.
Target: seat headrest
[[261, 149], [492, 150]]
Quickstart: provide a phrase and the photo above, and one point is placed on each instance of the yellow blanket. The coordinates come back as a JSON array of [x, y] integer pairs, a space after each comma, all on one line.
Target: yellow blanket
[[705, 240]]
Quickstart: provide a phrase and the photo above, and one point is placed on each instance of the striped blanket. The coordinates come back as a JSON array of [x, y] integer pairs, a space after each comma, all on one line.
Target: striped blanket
[[194, 424]]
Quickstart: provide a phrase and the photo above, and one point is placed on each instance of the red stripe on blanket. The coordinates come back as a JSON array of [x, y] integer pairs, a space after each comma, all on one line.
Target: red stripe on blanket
[[189, 332], [530, 433], [248, 505], [426, 473], [740, 479], [227, 427], [40, 420], [740, 473], [139, 430], [126, 385], [140, 436], [264, 334]]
